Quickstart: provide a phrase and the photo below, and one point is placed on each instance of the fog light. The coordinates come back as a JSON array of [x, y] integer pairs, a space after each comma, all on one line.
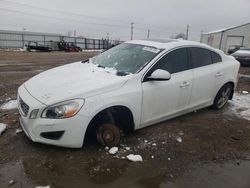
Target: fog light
[[33, 114]]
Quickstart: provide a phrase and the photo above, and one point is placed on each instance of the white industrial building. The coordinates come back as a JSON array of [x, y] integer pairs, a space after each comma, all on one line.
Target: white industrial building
[[223, 39]]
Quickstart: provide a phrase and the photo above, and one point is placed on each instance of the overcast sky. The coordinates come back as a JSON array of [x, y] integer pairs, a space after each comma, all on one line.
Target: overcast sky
[[96, 18]]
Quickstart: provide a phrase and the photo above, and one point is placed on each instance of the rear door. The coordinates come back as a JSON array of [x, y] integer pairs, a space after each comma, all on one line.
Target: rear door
[[206, 74], [164, 98]]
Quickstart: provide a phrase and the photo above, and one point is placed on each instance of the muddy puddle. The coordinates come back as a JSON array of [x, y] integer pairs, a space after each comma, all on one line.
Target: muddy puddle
[[31, 173]]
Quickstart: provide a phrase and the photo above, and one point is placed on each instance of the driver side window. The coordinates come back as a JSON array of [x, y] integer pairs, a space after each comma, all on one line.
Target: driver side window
[[173, 62]]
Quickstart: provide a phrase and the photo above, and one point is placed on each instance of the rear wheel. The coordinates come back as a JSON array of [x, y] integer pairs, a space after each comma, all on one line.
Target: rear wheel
[[223, 96], [108, 134]]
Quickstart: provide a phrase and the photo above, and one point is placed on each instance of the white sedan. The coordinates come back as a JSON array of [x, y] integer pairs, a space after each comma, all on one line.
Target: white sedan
[[131, 86]]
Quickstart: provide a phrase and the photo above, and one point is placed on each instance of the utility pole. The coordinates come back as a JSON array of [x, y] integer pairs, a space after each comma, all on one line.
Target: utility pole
[[201, 35], [132, 30], [148, 33], [75, 33], [187, 32]]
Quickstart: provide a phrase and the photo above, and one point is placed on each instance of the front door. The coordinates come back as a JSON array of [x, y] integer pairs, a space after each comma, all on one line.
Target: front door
[[161, 99]]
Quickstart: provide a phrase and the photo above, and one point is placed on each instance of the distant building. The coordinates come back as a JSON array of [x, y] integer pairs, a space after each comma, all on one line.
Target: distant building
[[224, 39]]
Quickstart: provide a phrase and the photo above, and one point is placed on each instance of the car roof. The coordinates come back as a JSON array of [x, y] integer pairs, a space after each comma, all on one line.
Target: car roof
[[167, 43]]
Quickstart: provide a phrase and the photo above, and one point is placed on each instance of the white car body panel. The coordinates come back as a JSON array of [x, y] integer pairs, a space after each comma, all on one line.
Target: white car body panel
[[169, 97], [150, 102]]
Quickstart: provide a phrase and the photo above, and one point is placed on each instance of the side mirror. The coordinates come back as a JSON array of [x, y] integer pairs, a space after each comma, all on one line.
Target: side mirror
[[159, 75]]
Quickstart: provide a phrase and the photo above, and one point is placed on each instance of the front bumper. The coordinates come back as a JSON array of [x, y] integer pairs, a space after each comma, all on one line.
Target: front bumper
[[73, 128]]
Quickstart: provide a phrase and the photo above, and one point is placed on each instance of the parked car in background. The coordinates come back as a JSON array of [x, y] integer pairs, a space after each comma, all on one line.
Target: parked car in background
[[234, 48], [243, 56], [68, 47], [38, 47], [130, 86]]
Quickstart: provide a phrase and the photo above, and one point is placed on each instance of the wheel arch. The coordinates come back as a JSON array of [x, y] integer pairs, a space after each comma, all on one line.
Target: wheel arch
[[233, 84], [122, 114]]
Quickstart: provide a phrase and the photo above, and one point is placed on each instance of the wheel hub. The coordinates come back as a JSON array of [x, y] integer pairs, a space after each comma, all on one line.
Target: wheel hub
[[108, 134]]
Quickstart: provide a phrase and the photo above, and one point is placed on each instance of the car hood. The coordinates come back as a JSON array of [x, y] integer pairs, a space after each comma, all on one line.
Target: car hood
[[73, 81], [241, 53]]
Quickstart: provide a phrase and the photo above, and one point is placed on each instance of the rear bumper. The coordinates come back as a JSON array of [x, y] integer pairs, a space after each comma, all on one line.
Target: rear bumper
[[73, 128]]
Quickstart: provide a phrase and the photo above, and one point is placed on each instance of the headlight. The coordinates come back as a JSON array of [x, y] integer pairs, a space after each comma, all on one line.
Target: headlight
[[63, 110]]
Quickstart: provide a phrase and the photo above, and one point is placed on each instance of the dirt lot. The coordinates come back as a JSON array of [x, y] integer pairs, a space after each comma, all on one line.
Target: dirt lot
[[214, 150]]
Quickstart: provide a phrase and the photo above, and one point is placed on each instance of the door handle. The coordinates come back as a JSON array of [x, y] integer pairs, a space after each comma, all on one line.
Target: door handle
[[218, 74], [185, 84]]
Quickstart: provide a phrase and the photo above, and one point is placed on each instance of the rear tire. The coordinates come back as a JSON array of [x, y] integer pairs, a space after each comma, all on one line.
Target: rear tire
[[108, 134], [222, 96]]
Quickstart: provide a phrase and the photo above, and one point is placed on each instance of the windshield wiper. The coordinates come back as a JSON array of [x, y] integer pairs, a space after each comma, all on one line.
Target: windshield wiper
[[100, 66], [87, 60], [122, 73]]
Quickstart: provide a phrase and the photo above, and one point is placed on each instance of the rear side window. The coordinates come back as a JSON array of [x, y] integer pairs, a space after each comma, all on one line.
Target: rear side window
[[216, 57], [200, 57], [175, 61]]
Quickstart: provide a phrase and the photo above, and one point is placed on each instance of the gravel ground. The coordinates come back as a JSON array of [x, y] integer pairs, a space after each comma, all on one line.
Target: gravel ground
[[205, 148]]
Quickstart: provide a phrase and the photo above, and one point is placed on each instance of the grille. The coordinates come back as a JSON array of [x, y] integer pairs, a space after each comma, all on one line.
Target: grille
[[24, 107]]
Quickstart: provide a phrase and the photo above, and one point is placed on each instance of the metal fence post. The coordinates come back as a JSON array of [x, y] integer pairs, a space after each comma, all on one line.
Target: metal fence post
[[22, 40], [85, 40]]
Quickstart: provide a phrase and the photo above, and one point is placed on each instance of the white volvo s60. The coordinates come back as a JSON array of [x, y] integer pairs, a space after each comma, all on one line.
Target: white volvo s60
[[133, 85]]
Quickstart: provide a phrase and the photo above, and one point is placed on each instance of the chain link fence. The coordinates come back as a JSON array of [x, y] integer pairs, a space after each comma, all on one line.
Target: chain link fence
[[19, 39]]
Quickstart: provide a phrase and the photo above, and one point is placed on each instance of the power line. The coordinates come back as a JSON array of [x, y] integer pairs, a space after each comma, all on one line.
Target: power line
[[123, 23], [84, 16], [63, 12], [62, 19]]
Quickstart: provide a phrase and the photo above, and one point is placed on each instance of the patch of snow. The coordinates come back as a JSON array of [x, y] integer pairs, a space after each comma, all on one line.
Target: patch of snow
[[245, 114], [43, 186], [12, 104], [245, 92], [84, 50], [127, 148], [18, 131], [169, 159], [152, 157], [11, 182], [154, 144], [244, 76], [106, 148], [181, 133], [111, 70], [134, 158], [145, 141], [240, 105], [2, 127], [113, 150], [178, 139]]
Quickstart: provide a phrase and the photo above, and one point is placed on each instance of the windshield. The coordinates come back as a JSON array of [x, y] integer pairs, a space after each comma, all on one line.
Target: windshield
[[126, 58]]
